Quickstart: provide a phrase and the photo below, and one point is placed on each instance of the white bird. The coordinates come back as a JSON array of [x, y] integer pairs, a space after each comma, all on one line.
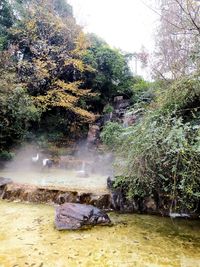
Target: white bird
[[35, 159], [47, 163]]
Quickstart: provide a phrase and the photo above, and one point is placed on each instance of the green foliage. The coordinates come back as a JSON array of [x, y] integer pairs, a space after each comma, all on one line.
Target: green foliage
[[141, 85], [48, 69], [6, 21], [112, 74], [17, 110], [17, 113], [143, 91], [160, 156], [63, 8], [6, 14], [40, 70], [111, 134], [108, 109], [21, 106], [5, 155], [181, 97]]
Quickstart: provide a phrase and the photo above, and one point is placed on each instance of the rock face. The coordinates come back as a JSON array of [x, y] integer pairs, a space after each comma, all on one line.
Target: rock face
[[120, 107], [129, 119], [120, 202], [93, 135], [52, 194], [71, 216], [3, 183]]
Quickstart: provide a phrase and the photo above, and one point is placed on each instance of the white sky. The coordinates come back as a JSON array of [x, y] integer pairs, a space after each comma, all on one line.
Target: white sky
[[124, 24]]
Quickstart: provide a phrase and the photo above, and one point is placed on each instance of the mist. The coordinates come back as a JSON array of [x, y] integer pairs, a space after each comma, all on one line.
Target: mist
[[84, 166], [22, 160]]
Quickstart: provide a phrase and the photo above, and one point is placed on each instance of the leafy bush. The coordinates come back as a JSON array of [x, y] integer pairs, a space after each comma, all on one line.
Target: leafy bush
[[108, 109], [182, 95], [160, 156], [143, 91], [5, 155], [111, 134], [17, 113]]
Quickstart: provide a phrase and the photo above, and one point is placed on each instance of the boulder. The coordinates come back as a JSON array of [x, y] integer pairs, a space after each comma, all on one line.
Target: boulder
[[71, 216], [129, 119], [150, 205]]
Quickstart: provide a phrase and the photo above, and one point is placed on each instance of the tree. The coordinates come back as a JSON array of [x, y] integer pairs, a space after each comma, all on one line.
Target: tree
[[112, 75], [50, 45], [17, 109], [6, 21], [178, 37], [41, 70], [60, 73]]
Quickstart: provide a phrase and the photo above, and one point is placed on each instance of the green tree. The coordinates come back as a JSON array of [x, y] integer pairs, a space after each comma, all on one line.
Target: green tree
[[6, 21], [112, 75], [17, 109]]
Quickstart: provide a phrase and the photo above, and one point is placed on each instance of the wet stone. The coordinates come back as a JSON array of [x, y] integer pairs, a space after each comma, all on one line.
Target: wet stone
[[71, 216]]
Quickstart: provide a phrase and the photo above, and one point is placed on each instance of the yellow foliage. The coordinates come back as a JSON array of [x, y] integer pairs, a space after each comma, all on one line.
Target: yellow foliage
[[81, 45], [57, 45], [84, 113], [41, 68], [77, 63], [72, 87], [60, 98]]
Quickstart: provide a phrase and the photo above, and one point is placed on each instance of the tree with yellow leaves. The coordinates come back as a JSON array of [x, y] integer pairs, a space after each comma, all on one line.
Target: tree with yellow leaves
[[52, 47]]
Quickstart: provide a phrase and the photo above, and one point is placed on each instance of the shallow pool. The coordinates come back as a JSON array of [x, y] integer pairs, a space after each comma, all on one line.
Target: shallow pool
[[58, 177], [28, 238]]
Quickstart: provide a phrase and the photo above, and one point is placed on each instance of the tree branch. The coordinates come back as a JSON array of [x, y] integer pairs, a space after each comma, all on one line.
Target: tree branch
[[188, 13], [160, 15]]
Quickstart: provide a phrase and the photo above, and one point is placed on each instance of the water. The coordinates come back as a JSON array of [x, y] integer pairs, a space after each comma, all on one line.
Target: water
[[58, 177], [28, 238]]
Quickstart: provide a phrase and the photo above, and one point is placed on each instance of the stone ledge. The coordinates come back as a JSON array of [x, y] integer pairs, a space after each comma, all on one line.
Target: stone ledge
[[52, 194]]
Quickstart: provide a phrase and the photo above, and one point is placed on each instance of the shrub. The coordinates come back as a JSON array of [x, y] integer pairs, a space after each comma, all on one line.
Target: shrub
[[5, 155], [111, 134], [160, 155], [108, 109]]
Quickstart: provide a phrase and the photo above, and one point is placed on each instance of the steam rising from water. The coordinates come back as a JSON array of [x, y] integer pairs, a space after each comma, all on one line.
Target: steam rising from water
[[23, 160], [96, 162], [97, 166]]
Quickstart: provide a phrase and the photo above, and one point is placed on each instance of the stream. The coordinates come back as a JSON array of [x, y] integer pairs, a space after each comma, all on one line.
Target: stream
[[28, 238]]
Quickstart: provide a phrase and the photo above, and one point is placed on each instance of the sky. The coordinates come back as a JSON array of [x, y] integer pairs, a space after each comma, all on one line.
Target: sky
[[124, 24]]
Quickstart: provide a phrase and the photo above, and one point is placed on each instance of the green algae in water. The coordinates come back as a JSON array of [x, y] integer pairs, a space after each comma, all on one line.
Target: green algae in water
[[28, 238]]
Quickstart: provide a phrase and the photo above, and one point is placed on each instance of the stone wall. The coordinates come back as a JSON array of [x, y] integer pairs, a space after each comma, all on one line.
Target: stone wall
[[113, 200], [44, 194]]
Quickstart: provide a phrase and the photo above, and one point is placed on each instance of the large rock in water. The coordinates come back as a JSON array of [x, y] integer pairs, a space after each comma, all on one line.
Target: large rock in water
[[75, 216]]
